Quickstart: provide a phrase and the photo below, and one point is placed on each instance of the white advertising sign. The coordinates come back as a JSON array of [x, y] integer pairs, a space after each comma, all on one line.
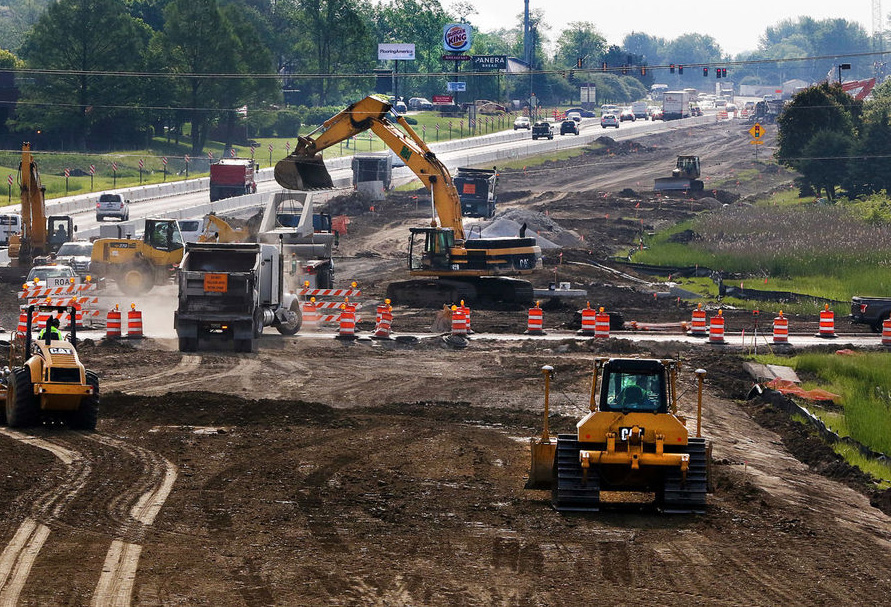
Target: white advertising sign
[[388, 52]]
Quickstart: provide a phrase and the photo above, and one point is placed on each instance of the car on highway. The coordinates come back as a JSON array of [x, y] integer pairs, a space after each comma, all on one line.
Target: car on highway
[[522, 123], [569, 126], [112, 205], [574, 116], [582, 112], [542, 129], [609, 120], [657, 114], [420, 104], [77, 254], [627, 114]]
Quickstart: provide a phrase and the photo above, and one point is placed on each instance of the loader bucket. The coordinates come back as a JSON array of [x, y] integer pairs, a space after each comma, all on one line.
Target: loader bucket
[[302, 173], [541, 472]]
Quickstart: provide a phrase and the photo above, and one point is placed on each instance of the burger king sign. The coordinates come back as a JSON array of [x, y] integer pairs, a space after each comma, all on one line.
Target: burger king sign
[[456, 37]]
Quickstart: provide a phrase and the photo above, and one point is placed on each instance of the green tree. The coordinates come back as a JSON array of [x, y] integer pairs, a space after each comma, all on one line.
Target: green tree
[[82, 37], [870, 170], [650, 48], [824, 161], [818, 108], [8, 62], [579, 41]]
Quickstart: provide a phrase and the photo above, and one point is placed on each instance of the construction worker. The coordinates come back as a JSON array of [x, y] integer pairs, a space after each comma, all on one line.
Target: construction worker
[[54, 333]]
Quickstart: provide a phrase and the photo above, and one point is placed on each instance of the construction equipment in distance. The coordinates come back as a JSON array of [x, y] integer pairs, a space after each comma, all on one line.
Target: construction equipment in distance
[[685, 176], [217, 229], [138, 265], [447, 265], [40, 235], [476, 188], [46, 378], [632, 440]]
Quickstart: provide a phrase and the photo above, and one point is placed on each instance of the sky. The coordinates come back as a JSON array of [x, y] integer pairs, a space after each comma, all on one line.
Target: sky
[[736, 26]]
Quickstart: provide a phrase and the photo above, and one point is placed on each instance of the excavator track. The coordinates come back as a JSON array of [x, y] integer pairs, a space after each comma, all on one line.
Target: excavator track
[[434, 293], [687, 496], [573, 490]]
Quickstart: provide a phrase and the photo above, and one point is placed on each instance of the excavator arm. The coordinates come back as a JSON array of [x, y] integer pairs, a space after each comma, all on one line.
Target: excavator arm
[[303, 168]]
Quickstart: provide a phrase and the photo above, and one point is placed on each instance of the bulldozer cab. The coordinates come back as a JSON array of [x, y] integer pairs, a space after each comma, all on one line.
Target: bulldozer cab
[[435, 252], [163, 234], [634, 385], [687, 166]]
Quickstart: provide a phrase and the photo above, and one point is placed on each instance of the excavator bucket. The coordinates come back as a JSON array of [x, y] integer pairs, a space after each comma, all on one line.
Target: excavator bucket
[[543, 448], [302, 173]]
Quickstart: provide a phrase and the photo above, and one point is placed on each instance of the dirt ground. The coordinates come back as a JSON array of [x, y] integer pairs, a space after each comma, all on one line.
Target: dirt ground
[[381, 473]]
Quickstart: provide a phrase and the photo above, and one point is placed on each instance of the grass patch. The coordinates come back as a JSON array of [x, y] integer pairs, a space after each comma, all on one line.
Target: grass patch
[[536, 161]]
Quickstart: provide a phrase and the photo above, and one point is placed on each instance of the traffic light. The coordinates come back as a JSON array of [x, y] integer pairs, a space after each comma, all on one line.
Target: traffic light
[[578, 62], [723, 72], [705, 72], [643, 71], [624, 70], [680, 69], [717, 72], [572, 74], [671, 68], [604, 66]]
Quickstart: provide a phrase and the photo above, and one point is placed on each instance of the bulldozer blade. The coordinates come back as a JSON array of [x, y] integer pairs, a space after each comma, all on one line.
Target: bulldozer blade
[[302, 173], [676, 183], [541, 472]]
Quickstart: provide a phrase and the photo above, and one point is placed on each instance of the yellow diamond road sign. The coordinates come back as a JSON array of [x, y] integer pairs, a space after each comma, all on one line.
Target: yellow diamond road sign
[[757, 131]]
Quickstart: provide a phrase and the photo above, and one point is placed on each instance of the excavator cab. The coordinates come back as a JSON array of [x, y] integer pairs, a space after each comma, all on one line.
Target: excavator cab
[[435, 252]]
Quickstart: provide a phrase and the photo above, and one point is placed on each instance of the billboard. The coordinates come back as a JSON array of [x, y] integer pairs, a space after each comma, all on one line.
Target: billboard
[[387, 52], [457, 37], [488, 63]]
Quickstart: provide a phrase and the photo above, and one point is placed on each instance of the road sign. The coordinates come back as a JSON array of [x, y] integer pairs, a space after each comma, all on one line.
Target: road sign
[[443, 99], [456, 87], [270, 148], [486, 63], [114, 166], [757, 131], [210, 155], [164, 160], [92, 169], [756, 142], [67, 172], [9, 180], [455, 57], [232, 152], [141, 164]]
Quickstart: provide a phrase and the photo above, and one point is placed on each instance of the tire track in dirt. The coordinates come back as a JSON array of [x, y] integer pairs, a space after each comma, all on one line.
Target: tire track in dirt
[[19, 555], [188, 364], [190, 373]]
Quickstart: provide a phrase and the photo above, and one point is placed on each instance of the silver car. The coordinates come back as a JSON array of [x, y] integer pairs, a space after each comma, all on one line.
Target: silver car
[[112, 205]]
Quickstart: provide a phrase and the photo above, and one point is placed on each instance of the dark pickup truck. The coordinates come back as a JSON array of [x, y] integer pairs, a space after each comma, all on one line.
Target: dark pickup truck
[[870, 311]]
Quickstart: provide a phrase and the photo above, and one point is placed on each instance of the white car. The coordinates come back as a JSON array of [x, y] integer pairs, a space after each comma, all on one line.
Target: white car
[[609, 120], [191, 229], [53, 276], [522, 123], [112, 205]]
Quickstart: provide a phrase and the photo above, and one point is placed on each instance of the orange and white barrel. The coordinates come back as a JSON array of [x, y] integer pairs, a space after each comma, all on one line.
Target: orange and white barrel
[[601, 324], [134, 322], [698, 324], [886, 332], [22, 327], [113, 324], [716, 329], [466, 311], [589, 321], [310, 314], [535, 321], [781, 329], [347, 320], [459, 321], [827, 322], [384, 320]]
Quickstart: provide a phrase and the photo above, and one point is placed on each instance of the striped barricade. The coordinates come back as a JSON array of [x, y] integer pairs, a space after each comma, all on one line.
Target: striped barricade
[[329, 311]]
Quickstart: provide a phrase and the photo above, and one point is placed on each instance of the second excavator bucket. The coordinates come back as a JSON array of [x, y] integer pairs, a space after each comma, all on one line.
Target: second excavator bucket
[[302, 173]]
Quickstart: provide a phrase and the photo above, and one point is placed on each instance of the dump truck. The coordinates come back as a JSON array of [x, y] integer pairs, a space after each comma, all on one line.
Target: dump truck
[[685, 176], [446, 265], [306, 237], [232, 177], [45, 377], [476, 189], [228, 292], [633, 439]]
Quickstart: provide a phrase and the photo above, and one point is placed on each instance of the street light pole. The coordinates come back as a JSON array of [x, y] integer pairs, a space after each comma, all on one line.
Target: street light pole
[[842, 66]]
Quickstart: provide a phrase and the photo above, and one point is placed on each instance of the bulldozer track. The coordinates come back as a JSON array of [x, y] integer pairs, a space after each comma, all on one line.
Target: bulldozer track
[[132, 510], [21, 552]]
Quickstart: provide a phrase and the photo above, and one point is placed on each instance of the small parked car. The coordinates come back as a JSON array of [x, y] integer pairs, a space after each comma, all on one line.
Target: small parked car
[[522, 123], [542, 129], [627, 114], [112, 205], [569, 126], [609, 120], [420, 104]]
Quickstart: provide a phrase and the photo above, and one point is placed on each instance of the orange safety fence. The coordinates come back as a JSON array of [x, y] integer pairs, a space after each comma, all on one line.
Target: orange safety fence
[[784, 386]]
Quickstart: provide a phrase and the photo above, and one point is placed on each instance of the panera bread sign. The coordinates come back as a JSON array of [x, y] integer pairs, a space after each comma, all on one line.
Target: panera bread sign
[[456, 37]]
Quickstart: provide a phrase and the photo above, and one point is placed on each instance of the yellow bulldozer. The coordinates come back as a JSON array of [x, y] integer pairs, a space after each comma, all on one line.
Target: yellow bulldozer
[[136, 265], [632, 440], [46, 378]]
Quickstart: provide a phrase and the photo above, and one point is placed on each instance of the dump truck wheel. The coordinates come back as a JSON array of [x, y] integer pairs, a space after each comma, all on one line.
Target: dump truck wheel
[[291, 328], [86, 417], [21, 404]]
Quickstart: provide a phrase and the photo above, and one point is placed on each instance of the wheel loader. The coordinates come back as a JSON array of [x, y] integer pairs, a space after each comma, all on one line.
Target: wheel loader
[[685, 176], [45, 378], [632, 440]]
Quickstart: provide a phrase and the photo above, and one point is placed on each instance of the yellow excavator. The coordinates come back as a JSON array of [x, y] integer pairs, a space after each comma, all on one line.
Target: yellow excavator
[[40, 235], [448, 266], [217, 229]]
